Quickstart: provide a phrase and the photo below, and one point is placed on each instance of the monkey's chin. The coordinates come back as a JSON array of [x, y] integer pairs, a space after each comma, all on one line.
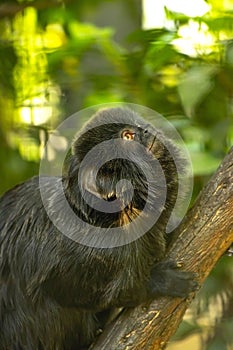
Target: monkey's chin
[[127, 215]]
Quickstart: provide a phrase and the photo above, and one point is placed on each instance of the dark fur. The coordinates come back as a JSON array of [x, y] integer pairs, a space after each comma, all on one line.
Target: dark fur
[[53, 289]]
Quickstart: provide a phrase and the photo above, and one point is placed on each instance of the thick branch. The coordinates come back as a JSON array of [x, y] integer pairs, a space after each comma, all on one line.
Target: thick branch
[[202, 238]]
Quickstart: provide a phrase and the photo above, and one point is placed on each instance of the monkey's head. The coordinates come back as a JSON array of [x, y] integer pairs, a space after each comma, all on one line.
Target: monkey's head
[[119, 165]]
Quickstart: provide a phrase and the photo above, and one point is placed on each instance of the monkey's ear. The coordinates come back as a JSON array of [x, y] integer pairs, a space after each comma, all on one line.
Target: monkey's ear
[[88, 182]]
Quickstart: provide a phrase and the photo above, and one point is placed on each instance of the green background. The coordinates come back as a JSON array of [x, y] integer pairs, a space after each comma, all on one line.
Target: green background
[[58, 57]]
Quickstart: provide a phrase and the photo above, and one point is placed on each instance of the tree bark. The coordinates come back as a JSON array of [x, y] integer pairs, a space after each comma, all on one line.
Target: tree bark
[[204, 235], [10, 9]]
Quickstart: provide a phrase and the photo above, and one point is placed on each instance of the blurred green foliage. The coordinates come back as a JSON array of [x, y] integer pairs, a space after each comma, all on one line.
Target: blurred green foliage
[[59, 57]]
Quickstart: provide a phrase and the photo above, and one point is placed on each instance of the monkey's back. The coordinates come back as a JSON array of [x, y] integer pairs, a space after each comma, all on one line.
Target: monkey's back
[[30, 253]]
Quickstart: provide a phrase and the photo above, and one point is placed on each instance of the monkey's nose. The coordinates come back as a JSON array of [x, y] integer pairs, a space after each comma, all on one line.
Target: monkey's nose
[[148, 131], [148, 137]]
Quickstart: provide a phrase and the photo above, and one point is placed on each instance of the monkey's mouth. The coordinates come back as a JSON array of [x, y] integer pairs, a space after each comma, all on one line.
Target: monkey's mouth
[[110, 197], [127, 213], [113, 196]]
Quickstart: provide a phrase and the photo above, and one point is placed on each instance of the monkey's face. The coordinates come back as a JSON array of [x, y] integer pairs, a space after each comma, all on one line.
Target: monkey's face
[[117, 154]]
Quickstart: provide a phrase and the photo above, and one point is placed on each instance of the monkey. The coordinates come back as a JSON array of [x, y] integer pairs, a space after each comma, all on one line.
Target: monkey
[[54, 288]]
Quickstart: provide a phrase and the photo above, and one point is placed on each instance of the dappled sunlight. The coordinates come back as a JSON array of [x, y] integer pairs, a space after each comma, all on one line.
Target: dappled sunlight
[[197, 8], [194, 39], [37, 97], [53, 37], [154, 12], [35, 111]]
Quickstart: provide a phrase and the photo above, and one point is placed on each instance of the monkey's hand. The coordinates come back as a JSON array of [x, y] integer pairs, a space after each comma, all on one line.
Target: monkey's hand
[[168, 280]]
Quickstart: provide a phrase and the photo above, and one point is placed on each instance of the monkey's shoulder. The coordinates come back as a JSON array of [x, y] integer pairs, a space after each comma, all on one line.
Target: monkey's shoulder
[[22, 207]]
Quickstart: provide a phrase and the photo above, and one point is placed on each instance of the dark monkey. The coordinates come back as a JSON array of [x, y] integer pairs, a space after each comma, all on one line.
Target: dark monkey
[[53, 289]]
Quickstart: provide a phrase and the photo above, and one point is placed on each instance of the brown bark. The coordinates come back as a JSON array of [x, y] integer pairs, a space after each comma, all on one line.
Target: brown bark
[[10, 9], [202, 238]]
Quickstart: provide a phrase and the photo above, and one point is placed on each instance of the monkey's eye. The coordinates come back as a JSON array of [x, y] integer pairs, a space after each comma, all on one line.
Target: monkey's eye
[[128, 135]]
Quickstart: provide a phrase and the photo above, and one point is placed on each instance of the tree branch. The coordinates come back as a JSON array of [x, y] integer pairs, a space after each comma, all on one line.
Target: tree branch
[[202, 238]]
